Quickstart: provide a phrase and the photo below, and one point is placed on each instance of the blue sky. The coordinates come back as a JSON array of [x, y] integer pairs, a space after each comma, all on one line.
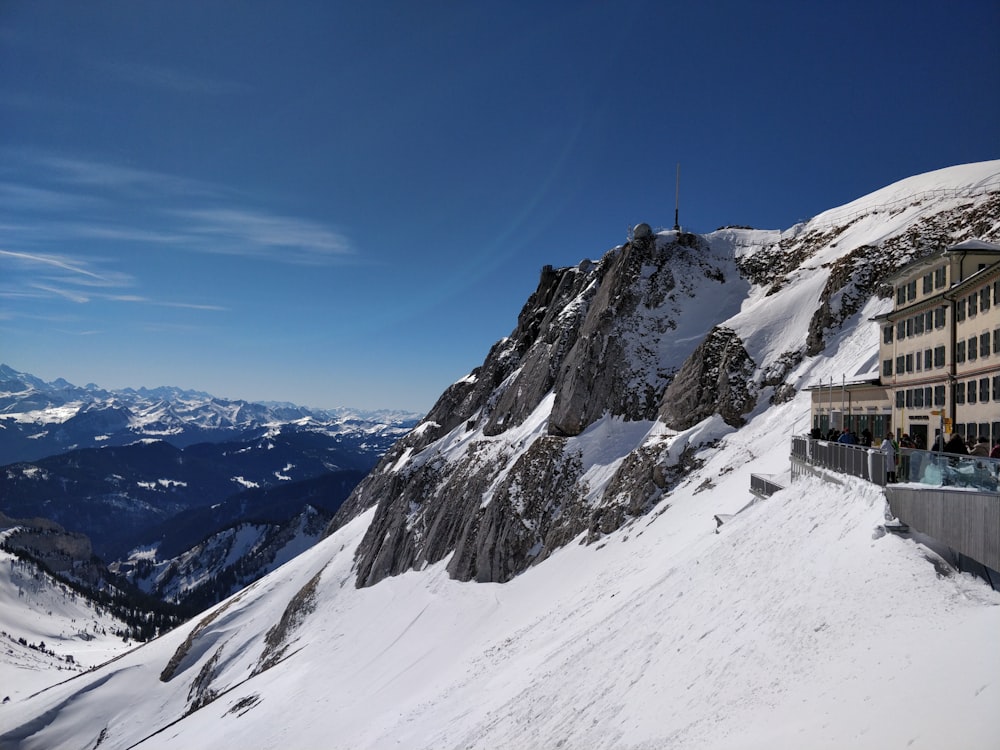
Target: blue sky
[[347, 203]]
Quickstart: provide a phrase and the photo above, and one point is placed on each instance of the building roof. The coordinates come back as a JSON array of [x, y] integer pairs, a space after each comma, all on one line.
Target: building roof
[[975, 244]]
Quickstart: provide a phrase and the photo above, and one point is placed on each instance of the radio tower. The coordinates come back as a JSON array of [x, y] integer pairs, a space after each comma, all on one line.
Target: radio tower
[[677, 200]]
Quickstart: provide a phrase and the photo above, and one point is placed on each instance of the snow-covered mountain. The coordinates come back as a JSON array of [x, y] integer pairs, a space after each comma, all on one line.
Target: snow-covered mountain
[[49, 630], [576, 475], [40, 419], [125, 496], [225, 562]]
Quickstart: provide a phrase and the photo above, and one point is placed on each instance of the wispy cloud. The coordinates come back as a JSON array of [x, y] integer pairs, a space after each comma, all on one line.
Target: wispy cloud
[[172, 79], [70, 294], [259, 234], [126, 180], [145, 300], [28, 197], [55, 201], [55, 261], [37, 276]]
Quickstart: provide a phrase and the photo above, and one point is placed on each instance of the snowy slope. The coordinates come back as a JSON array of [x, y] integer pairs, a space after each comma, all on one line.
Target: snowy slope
[[800, 625], [47, 632], [224, 562]]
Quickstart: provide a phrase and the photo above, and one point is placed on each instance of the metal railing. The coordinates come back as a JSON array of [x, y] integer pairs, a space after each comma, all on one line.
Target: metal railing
[[762, 486], [930, 468], [853, 460]]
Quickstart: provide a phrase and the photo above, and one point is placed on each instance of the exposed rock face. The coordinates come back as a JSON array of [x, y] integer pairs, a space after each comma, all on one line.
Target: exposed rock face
[[590, 342], [716, 379], [611, 366]]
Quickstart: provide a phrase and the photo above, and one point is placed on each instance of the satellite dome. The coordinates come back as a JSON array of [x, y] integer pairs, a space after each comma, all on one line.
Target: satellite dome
[[642, 231]]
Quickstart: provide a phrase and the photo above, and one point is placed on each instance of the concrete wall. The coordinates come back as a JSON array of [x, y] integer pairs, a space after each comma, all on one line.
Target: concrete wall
[[968, 522]]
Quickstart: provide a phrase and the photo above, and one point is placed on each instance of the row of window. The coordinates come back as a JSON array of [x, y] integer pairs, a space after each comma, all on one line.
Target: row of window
[[967, 307], [976, 302], [916, 324], [936, 279], [967, 350], [974, 391], [920, 398], [915, 361], [977, 346], [970, 392]]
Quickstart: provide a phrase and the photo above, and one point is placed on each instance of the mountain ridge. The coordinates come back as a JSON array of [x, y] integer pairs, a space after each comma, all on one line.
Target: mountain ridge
[[39, 419]]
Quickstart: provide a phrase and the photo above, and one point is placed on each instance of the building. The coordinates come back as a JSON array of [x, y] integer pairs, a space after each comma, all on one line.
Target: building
[[856, 406], [939, 354], [940, 345]]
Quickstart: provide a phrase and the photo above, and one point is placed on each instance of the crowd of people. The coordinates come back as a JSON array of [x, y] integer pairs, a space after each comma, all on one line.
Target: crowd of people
[[973, 446], [893, 448]]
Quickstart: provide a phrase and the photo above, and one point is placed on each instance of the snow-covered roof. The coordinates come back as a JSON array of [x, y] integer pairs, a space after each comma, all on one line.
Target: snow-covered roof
[[977, 245]]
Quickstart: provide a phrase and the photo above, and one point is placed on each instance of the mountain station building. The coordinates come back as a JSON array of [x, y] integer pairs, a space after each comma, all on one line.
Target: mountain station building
[[939, 354]]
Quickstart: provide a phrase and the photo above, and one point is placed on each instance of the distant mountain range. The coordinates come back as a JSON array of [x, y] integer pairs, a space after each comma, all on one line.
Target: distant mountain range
[[178, 476], [39, 418]]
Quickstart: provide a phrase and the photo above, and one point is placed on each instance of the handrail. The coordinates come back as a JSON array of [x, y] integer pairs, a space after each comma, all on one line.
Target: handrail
[[853, 460], [930, 468], [763, 486]]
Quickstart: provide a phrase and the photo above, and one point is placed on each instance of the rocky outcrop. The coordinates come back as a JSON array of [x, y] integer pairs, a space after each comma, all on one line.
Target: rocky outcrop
[[716, 379], [591, 340]]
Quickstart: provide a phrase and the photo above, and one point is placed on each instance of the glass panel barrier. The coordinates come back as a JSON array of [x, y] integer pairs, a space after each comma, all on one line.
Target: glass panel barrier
[[949, 470]]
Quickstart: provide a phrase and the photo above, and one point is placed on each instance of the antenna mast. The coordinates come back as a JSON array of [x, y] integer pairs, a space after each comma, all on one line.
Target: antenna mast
[[677, 200]]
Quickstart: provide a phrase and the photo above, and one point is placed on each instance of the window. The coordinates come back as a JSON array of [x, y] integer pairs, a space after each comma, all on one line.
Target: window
[[971, 391], [959, 393], [887, 367], [939, 356], [960, 351], [973, 349], [939, 393], [984, 345], [996, 340], [940, 277], [918, 324], [928, 320], [939, 317], [984, 389], [973, 304], [911, 290], [960, 310], [927, 359], [918, 398], [909, 362], [928, 283], [901, 296], [996, 387], [900, 398], [901, 330], [909, 326], [909, 398], [887, 335], [927, 396], [984, 298]]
